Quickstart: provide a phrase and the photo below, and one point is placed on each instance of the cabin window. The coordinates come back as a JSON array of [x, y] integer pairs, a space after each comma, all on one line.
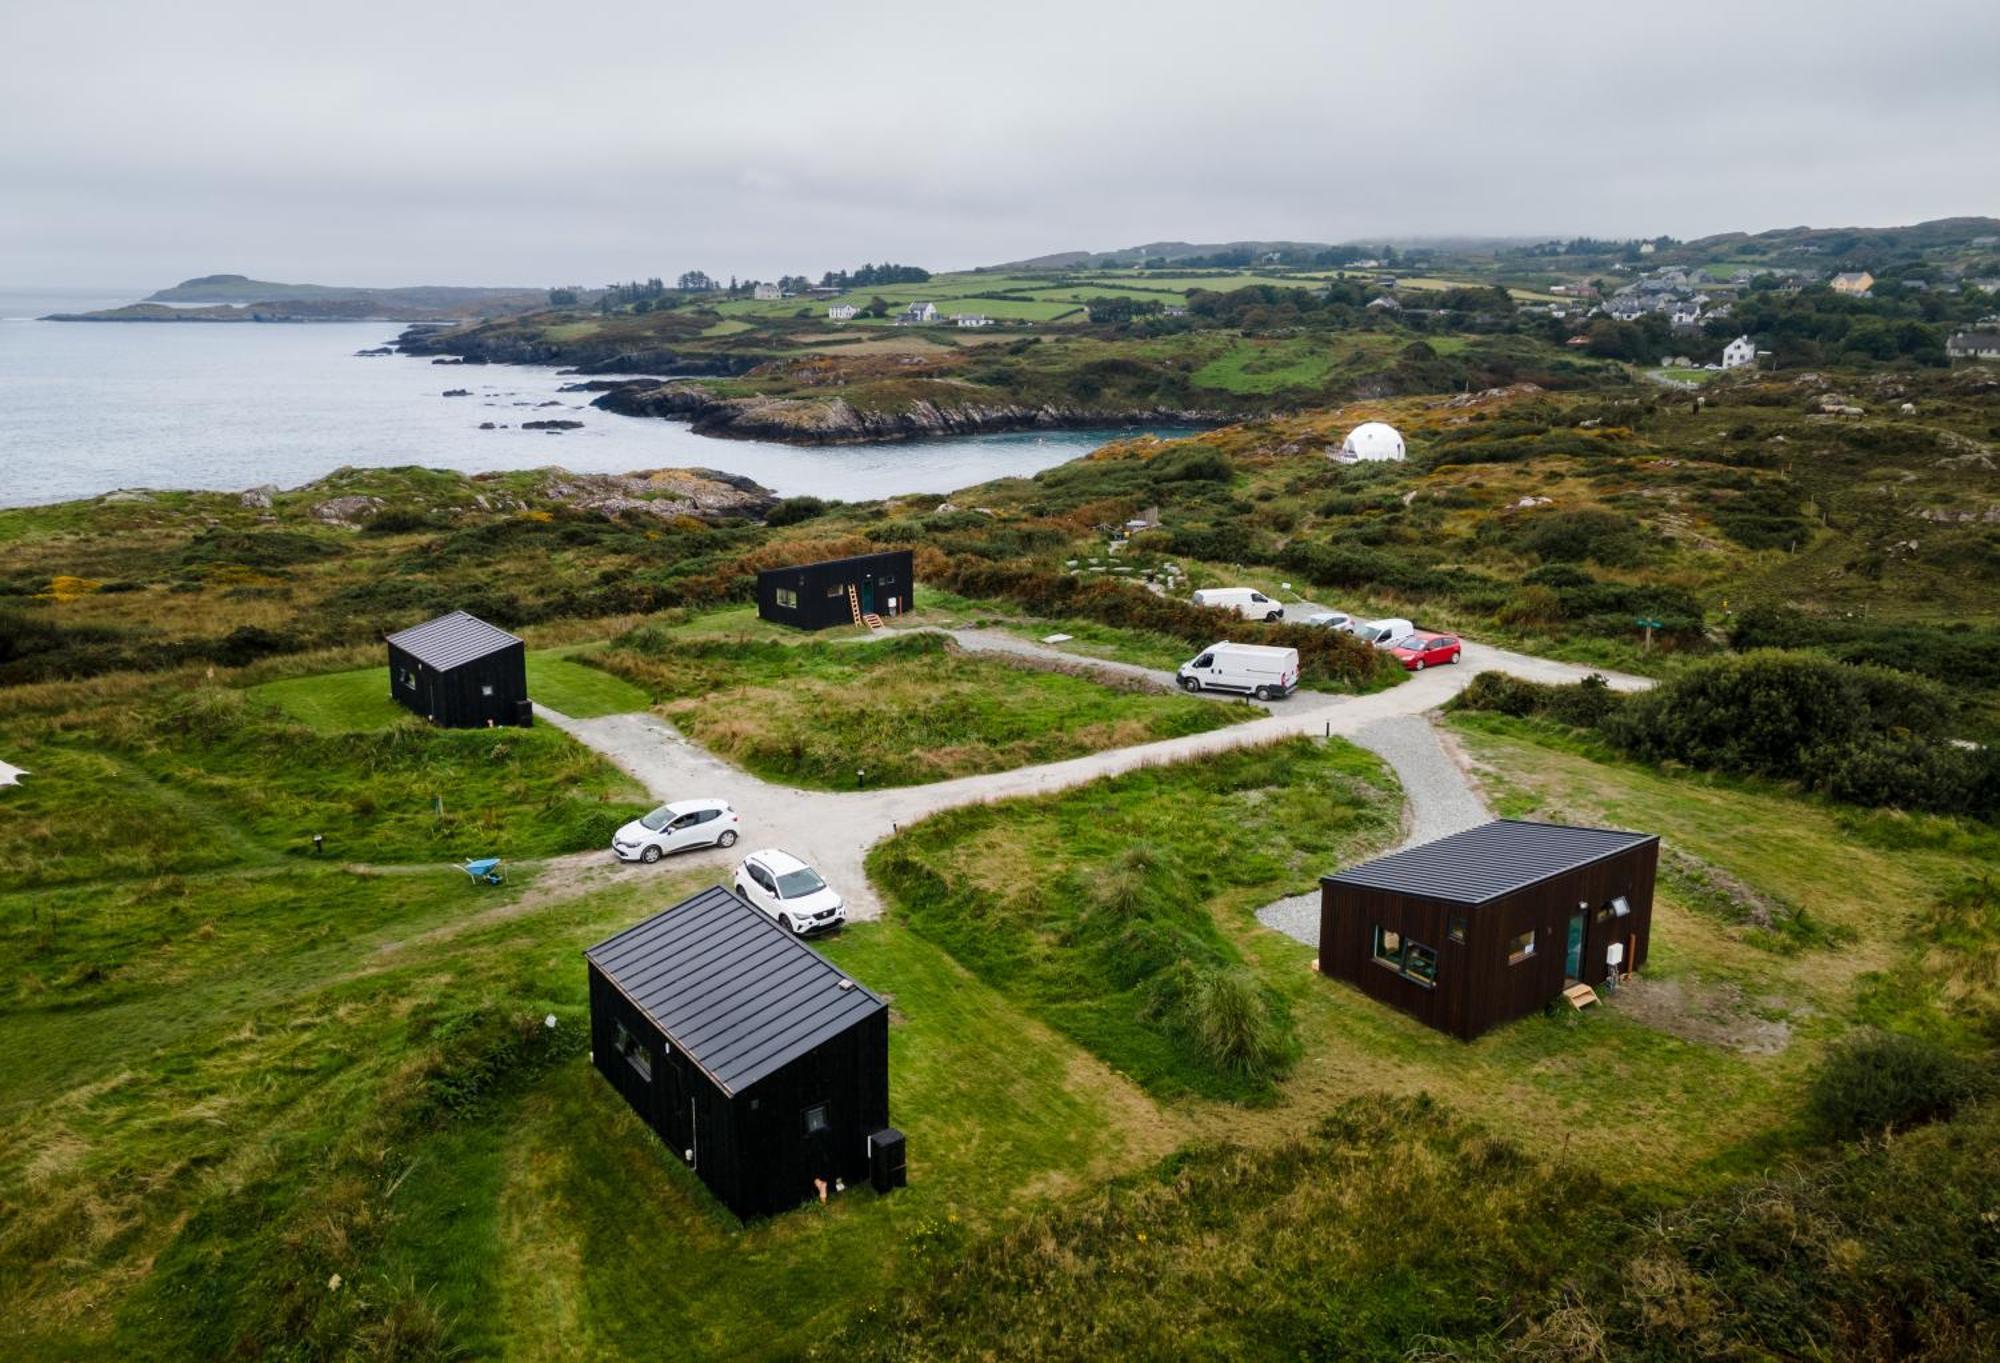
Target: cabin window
[[636, 1055], [786, 598], [834, 589], [818, 1118], [1521, 948], [409, 680], [1411, 960], [1455, 929], [1389, 947]]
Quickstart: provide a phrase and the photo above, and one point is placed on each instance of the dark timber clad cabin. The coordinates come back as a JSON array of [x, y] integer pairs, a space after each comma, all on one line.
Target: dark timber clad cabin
[[749, 1053], [1491, 924], [817, 595], [460, 672]]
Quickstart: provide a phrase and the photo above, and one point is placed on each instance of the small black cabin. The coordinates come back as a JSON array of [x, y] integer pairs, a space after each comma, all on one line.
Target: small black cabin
[[460, 672], [839, 591], [1490, 924], [749, 1053]]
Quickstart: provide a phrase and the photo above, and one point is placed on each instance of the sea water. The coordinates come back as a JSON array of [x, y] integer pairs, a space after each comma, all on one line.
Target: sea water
[[89, 407]]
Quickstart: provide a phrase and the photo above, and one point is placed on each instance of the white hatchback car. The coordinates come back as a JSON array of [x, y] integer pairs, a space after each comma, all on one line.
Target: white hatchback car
[[790, 891], [676, 828]]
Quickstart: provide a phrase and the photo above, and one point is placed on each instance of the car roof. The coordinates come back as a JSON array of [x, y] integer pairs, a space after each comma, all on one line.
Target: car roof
[[690, 806], [777, 861]]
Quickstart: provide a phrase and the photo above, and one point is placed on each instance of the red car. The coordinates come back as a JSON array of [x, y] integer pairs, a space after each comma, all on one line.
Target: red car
[[1419, 651]]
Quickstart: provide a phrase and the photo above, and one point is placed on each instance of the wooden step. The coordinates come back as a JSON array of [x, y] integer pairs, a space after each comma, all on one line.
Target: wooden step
[[873, 621], [1580, 996]]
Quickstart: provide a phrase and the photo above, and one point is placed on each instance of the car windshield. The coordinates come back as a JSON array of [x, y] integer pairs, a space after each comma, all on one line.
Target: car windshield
[[1411, 641], [659, 818], [803, 881]]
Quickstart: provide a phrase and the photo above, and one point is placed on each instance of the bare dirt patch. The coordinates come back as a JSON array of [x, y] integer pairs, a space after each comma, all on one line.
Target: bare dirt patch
[[1720, 1015]]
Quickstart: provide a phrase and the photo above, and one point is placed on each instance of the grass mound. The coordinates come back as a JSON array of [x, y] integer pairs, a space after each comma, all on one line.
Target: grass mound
[[1095, 907], [906, 710]]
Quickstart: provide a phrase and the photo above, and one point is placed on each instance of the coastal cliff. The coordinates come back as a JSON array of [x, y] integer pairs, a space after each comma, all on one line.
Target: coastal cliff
[[611, 355], [836, 421]]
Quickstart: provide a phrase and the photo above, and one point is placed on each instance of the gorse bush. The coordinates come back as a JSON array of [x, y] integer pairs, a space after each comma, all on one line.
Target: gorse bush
[[1880, 1082], [1864, 735]]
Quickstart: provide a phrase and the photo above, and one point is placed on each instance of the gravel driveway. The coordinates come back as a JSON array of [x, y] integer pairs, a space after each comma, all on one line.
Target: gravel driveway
[[834, 830]]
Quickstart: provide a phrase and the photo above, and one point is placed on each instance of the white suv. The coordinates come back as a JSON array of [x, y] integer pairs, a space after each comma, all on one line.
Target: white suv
[[790, 891], [675, 828]]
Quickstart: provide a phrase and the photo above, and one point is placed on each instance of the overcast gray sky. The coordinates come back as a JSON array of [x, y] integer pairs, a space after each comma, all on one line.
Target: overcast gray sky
[[529, 143]]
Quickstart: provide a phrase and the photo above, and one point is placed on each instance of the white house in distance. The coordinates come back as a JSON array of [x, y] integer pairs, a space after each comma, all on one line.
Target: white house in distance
[[919, 313], [767, 293], [973, 319], [842, 312], [1974, 345], [1370, 442], [1738, 353]]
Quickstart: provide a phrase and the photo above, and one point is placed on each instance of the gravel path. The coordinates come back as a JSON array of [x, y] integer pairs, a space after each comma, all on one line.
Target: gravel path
[[834, 830], [1439, 801]]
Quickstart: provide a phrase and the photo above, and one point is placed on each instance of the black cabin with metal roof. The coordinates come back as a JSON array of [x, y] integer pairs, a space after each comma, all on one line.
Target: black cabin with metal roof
[[460, 672], [1491, 924], [838, 591], [757, 1062]]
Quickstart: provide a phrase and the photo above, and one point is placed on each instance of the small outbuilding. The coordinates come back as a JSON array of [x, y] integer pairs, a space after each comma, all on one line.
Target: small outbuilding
[[1491, 924], [752, 1056], [461, 673], [838, 591]]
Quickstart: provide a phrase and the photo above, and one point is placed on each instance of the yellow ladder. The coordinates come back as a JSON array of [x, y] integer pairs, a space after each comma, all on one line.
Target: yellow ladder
[[854, 603]]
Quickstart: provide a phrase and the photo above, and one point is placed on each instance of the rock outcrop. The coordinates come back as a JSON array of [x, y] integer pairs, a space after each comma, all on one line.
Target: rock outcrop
[[835, 421], [704, 494]]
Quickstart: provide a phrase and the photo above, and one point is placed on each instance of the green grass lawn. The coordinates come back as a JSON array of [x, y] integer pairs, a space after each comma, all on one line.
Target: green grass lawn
[[1268, 367], [349, 702], [907, 710], [1096, 907]]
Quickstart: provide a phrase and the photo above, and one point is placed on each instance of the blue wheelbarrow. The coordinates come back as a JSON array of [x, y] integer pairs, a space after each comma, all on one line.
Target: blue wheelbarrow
[[486, 870]]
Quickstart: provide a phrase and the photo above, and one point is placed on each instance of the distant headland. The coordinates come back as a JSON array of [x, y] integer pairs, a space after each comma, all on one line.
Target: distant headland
[[238, 298]]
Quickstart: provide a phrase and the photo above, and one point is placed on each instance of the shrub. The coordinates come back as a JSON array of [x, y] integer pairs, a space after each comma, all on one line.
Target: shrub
[[1881, 1082], [794, 510]]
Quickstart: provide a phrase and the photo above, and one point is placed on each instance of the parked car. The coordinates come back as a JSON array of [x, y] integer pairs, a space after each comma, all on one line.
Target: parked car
[[1258, 670], [1420, 650], [1247, 602], [1383, 633], [790, 891], [1339, 620], [675, 828]]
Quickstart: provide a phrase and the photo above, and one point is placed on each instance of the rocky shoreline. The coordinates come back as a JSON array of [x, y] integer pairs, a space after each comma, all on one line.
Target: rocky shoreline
[[834, 421], [449, 346]]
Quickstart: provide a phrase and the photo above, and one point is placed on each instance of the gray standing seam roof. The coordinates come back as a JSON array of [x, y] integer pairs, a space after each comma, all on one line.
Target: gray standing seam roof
[[451, 639], [1489, 861], [737, 993]]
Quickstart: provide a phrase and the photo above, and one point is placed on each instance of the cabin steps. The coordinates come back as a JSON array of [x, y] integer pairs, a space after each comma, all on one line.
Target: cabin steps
[[873, 621], [1580, 996]]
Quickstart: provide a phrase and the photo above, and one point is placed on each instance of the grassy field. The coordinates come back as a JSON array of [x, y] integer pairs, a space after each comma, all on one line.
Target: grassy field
[[356, 701], [905, 710]]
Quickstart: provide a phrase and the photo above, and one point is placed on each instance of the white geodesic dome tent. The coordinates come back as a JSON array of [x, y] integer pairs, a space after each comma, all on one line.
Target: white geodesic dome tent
[[1371, 441]]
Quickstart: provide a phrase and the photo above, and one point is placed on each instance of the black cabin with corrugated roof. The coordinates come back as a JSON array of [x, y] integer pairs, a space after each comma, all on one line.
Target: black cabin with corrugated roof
[[461, 673], [1490, 924], [838, 591], [751, 1055]]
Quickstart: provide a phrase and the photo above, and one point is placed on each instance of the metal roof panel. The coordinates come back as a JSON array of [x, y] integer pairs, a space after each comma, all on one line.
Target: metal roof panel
[[1489, 861], [449, 640]]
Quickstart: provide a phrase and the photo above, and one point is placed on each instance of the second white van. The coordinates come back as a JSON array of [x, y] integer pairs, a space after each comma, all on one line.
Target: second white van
[[1383, 633], [1258, 670], [1247, 602]]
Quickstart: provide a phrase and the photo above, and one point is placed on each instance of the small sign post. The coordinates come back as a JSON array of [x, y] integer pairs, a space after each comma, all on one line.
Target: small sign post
[[1649, 624]]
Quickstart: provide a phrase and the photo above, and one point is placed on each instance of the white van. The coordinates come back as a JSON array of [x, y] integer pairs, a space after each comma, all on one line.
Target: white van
[[1254, 669], [1382, 633], [1247, 602]]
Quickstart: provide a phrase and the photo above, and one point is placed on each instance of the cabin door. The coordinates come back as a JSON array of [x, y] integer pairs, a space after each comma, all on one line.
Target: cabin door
[[867, 596], [1573, 960]]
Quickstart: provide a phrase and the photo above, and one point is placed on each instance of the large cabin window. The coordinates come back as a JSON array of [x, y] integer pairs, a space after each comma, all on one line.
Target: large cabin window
[[636, 1055], [1521, 948], [786, 598], [1411, 960]]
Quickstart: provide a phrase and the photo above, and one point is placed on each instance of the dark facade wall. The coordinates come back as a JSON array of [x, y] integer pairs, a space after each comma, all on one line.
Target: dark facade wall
[[750, 1149], [455, 699], [1477, 986], [821, 589]]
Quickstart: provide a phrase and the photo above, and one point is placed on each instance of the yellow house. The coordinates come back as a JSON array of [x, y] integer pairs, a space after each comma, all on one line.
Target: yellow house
[[1856, 282]]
